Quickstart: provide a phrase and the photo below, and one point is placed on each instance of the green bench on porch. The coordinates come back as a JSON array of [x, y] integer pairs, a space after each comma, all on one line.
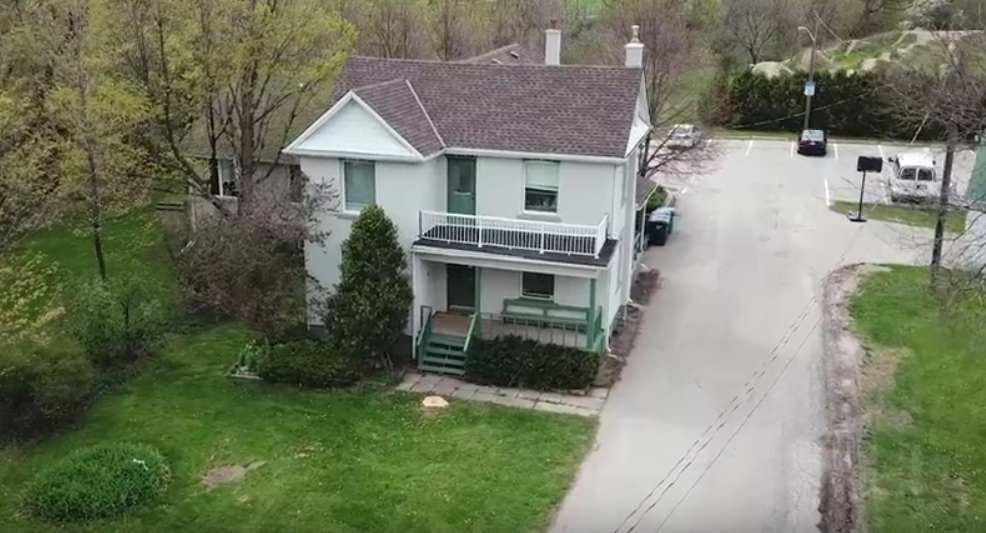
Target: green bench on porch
[[544, 313]]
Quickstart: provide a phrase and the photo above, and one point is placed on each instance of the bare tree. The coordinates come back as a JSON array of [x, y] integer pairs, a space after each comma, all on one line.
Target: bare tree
[[753, 26], [392, 26], [514, 21], [952, 100], [670, 55], [448, 25], [251, 267]]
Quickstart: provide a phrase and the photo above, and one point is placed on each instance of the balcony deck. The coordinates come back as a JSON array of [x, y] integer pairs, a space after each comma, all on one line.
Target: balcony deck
[[492, 326], [545, 241]]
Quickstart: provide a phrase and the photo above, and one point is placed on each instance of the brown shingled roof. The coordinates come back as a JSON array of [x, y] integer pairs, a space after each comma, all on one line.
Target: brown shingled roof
[[396, 102], [569, 110], [512, 54]]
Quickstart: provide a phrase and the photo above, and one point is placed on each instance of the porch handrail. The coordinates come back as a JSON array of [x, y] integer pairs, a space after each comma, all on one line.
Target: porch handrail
[[574, 239], [425, 313], [473, 330]]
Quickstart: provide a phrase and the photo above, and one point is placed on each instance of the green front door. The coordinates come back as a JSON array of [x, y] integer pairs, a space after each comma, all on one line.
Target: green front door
[[462, 185], [460, 286]]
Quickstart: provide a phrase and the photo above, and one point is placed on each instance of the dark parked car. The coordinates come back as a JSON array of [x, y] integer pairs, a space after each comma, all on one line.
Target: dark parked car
[[813, 142]]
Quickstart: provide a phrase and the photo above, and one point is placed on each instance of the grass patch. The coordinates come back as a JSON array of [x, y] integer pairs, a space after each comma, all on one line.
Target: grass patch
[[349, 461], [923, 454], [362, 460], [903, 214]]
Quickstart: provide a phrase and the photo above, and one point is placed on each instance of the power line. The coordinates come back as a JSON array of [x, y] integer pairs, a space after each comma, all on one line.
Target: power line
[[742, 424], [720, 422]]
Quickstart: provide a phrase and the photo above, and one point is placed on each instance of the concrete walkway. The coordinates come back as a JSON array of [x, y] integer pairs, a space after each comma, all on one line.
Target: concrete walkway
[[570, 404]]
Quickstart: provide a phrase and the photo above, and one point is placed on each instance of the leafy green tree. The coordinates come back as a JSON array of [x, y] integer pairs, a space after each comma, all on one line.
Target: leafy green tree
[[367, 313]]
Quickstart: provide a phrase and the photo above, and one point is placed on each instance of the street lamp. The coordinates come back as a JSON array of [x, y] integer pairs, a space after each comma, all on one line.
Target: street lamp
[[811, 71]]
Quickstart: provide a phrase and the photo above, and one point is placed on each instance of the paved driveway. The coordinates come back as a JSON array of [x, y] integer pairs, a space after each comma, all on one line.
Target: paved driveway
[[715, 425]]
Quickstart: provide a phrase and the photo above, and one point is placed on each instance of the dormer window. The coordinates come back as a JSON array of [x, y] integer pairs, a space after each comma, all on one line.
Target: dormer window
[[541, 186]]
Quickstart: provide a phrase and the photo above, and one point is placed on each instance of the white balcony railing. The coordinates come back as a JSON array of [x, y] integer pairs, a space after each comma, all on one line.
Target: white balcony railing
[[514, 234]]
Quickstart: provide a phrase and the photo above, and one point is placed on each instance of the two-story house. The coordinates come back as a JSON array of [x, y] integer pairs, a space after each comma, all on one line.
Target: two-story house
[[514, 188]]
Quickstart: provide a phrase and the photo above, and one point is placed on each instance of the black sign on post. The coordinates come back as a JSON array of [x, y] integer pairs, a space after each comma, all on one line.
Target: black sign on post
[[864, 164], [869, 164]]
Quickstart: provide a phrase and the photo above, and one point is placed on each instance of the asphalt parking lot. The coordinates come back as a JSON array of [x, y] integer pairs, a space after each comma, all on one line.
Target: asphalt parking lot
[[717, 422], [835, 175]]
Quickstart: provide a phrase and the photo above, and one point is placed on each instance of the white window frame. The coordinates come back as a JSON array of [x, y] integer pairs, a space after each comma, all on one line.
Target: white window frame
[[557, 166], [342, 184], [535, 296], [225, 165]]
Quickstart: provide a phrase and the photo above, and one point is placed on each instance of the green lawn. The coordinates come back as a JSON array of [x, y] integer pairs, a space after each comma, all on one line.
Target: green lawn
[[365, 460], [924, 454], [903, 214]]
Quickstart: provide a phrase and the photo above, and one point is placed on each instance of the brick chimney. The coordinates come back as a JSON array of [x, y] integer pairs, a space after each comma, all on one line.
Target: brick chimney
[[552, 44], [635, 50]]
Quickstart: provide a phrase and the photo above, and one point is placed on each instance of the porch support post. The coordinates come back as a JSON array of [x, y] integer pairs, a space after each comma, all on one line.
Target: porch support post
[[477, 298], [643, 226], [590, 330]]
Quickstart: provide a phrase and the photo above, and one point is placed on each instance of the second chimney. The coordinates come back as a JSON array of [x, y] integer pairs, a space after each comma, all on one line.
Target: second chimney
[[635, 50], [552, 44]]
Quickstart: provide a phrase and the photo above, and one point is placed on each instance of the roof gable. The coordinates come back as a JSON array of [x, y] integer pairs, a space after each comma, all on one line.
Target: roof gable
[[563, 110], [398, 105], [351, 127]]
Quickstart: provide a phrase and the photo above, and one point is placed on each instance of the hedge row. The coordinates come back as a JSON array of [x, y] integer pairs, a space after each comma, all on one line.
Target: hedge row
[[857, 105], [513, 361]]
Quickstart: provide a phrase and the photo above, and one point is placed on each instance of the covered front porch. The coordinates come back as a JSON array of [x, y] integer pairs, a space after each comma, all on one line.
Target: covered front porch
[[458, 299]]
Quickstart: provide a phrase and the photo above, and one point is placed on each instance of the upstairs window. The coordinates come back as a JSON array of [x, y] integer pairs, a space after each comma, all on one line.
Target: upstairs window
[[541, 186], [359, 184]]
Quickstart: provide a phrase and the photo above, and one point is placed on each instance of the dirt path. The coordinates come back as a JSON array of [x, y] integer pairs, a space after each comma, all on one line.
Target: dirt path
[[841, 505]]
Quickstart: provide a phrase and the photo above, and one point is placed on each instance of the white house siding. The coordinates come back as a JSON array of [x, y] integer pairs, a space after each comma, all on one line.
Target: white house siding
[[498, 285], [355, 130], [402, 188], [585, 192]]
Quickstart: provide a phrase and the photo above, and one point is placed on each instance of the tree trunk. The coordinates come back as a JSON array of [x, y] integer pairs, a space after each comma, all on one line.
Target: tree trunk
[[944, 205], [96, 215]]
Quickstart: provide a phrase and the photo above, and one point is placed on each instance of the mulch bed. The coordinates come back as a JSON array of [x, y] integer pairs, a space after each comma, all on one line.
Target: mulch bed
[[645, 284]]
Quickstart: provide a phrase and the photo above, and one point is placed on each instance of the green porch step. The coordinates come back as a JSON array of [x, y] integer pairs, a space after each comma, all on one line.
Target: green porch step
[[446, 340], [444, 354]]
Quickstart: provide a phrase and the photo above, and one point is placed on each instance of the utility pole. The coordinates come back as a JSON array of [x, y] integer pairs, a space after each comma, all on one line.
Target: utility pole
[[811, 69], [944, 205], [944, 194]]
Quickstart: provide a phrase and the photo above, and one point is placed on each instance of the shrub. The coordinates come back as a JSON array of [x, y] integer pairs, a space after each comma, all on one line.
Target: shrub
[[855, 104], [513, 361], [115, 324], [656, 200], [307, 363], [41, 389], [102, 481], [368, 311]]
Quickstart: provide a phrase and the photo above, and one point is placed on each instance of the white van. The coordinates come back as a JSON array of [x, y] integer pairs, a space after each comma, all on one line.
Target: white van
[[912, 177]]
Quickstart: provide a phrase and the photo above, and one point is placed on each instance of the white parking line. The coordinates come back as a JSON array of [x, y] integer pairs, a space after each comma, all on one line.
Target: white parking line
[[828, 197], [749, 147], [836, 146], [792, 149], [880, 147]]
